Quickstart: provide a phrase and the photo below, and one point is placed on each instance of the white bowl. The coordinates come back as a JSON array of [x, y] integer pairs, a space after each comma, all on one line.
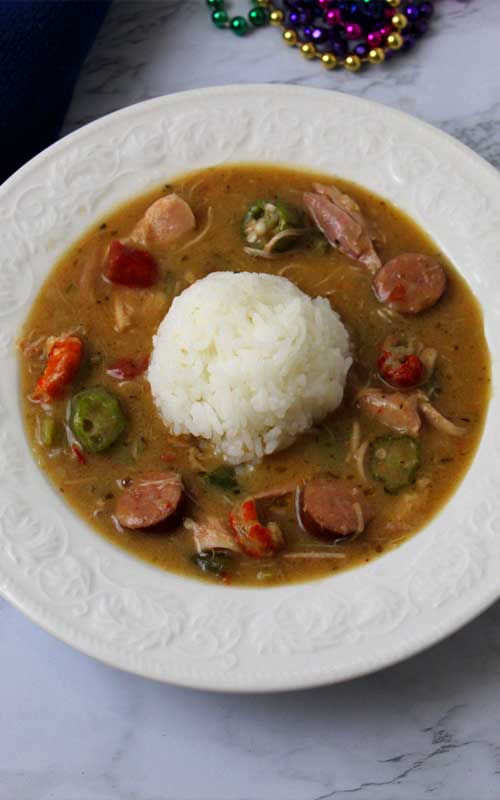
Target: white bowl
[[81, 588]]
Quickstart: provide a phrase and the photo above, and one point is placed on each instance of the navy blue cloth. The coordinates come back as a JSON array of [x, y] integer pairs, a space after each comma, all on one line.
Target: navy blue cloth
[[42, 47]]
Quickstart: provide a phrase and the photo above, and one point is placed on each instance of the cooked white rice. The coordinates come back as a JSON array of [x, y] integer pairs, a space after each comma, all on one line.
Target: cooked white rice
[[247, 361]]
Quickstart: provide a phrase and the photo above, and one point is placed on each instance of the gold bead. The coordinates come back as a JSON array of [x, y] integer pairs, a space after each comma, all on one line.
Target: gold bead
[[399, 21], [308, 50], [329, 60], [352, 63], [276, 17], [290, 37], [264, 3], [395, 41], [376, 56], [393, 3]]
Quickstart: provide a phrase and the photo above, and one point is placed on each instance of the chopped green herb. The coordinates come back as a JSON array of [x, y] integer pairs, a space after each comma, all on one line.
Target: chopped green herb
[[216, 561], [224, 478]]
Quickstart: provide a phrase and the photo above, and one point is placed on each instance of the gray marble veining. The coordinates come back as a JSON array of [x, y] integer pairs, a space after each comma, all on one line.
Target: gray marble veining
[[73, 729]]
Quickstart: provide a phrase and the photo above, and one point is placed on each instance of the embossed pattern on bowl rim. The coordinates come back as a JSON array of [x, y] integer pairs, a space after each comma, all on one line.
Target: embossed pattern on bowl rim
[[133, 616]]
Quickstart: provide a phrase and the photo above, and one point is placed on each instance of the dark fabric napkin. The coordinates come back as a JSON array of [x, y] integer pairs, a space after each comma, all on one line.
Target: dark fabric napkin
[[42, 46]]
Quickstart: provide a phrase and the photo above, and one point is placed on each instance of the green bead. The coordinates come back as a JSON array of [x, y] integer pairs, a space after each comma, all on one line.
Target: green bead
[[257, 17], [216, 5], [239, 25], [220, 19]]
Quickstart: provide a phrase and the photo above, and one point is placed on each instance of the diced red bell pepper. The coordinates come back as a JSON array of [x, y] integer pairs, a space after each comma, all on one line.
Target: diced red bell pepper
[[130, 266], [78, 454], [126, 369]]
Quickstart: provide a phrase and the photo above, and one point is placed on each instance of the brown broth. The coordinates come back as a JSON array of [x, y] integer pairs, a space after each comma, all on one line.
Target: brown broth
[[454, 327]]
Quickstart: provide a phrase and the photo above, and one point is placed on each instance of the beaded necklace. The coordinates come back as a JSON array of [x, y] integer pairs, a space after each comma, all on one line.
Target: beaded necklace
[[336, 32]]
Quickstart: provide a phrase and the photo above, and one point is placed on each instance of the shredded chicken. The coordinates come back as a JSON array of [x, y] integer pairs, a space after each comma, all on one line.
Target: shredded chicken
[[289, 233], [202, 233], [211, 534], [355, 438], [360, 520], [359, 459], [287, 268], [254, 251], [123, 312], [436, 419], [91, 270], [32, 348]]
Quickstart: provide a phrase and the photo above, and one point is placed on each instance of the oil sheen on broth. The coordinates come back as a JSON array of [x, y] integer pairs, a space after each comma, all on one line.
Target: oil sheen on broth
[[116, 322]]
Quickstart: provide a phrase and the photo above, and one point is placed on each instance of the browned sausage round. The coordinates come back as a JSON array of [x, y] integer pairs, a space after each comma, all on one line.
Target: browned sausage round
[[148, 499], [410, 283], [334, 508]]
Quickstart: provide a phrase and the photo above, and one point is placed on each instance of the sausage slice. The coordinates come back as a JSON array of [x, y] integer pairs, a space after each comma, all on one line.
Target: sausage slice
[[149, 499], [333, 507], [410, 283]]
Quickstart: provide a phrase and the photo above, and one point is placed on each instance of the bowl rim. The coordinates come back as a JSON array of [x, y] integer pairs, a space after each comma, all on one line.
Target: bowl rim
[[228, 676]]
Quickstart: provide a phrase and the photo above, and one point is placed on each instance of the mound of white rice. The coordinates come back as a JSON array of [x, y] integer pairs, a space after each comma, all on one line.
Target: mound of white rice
[[247, 361]]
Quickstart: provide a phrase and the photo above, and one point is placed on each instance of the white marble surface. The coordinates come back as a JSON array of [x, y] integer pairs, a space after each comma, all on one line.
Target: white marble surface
[[74, 729]]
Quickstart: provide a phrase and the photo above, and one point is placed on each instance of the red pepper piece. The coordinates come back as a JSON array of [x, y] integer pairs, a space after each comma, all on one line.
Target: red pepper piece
[[78, 454], [126, 369], [401, 372], [130, 266], [63, 363]]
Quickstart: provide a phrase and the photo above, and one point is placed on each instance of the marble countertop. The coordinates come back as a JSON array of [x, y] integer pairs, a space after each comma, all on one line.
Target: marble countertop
[[74, 729]]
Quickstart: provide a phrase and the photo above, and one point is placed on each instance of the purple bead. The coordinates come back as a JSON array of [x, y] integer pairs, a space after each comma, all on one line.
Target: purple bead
[[362, 50], [318, 35], [426, 9], [307, 32], [293, 19], [306, 15], [340, 49], [412, 12]]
